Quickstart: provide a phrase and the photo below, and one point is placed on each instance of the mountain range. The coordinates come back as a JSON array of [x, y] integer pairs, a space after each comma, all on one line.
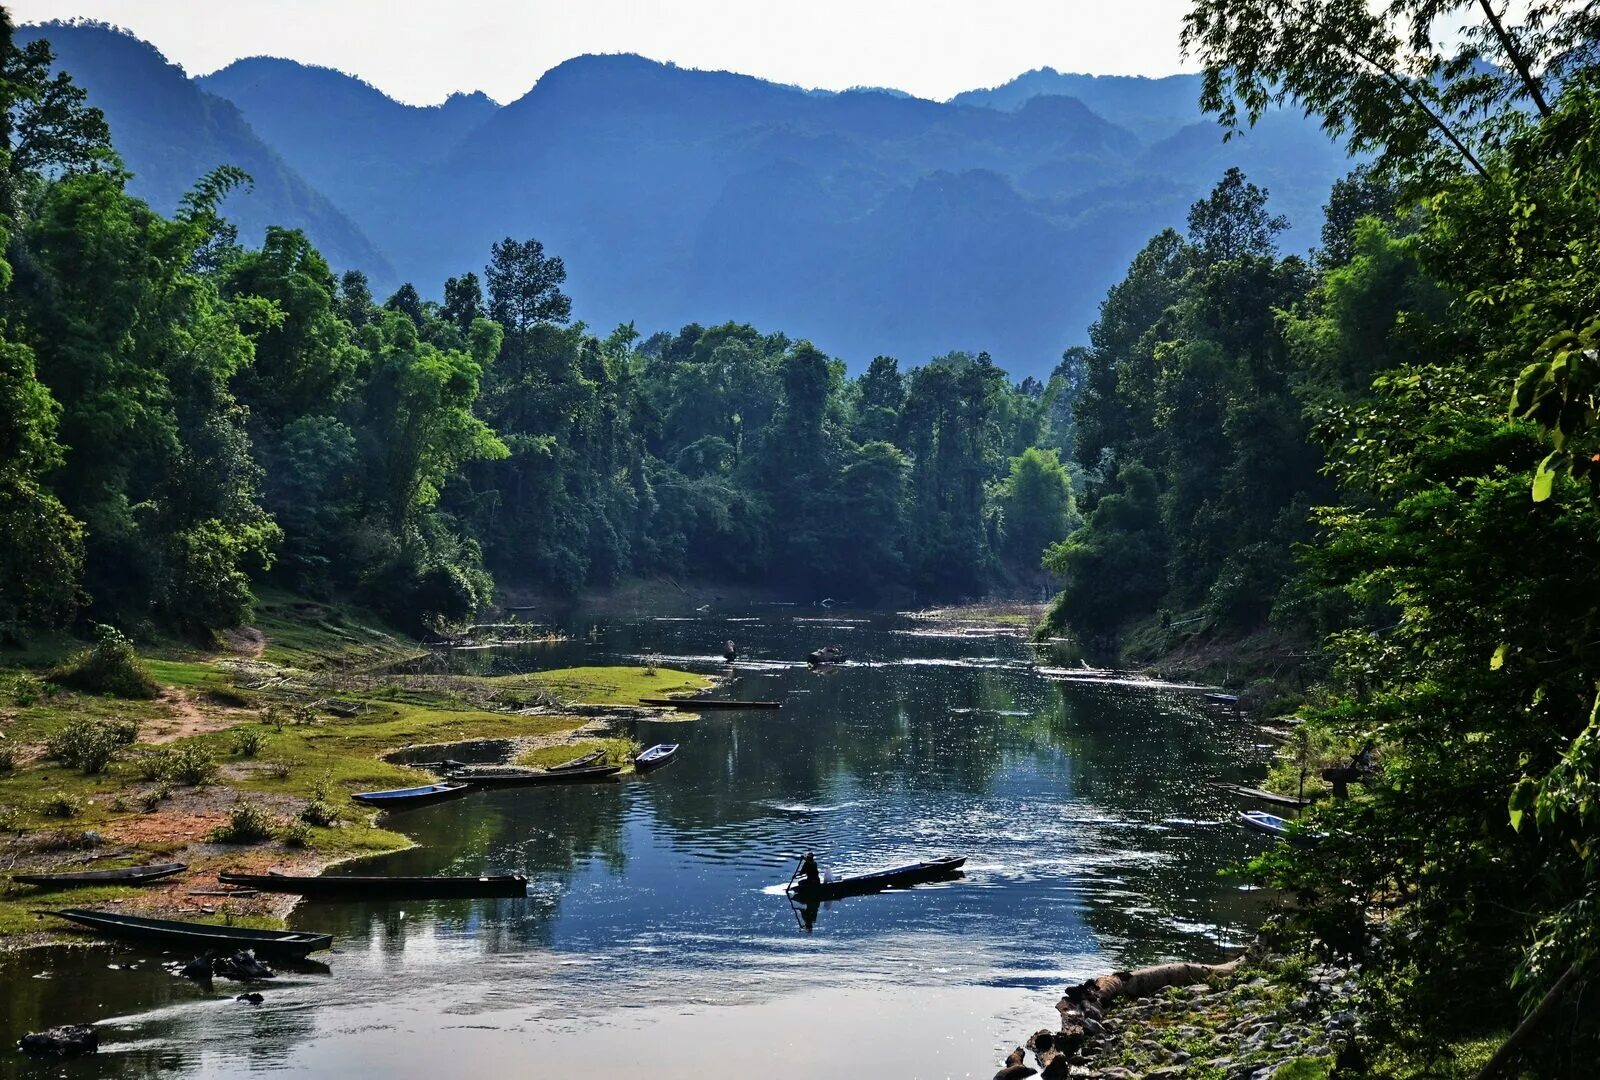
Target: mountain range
[[869, 221]]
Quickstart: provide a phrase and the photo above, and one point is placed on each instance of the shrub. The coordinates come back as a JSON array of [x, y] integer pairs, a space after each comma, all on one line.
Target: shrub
[[61, 805], [280, 770], [275, 716], [296, 834], [153, 798], [111, 667], [8, 758], [154, 764], [26, 689], [247, 741], [321, 813], [191, 766], [89, 745], [248, 823], [10, 819]]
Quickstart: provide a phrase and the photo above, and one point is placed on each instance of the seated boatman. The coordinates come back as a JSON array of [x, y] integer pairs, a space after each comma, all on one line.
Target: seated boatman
[[810, 878]]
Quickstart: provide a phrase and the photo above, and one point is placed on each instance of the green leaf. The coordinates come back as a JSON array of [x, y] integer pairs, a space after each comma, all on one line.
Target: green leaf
[[1544, 478], [1498, 660]]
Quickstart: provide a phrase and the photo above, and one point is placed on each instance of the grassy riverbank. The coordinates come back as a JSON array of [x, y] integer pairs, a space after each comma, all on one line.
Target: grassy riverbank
[[245, 757]]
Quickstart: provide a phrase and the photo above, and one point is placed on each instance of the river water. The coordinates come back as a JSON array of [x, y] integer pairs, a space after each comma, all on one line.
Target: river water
[[655, 937]]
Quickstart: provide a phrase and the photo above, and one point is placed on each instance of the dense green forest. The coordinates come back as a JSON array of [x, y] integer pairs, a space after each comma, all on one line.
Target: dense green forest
[[186, 418], [1392, 447]]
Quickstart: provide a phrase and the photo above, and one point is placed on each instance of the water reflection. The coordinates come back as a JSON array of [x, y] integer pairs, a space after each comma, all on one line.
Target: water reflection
[[1092, 836]]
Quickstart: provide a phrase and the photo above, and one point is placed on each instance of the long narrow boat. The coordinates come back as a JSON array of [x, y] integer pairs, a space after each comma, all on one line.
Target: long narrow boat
[[529, 777], [655, 757], [404, 798], [127, 875], [199, 936], [1264, 796], [579, 762], [1273, 825], [356, 887], [897, 877], [704, 704]]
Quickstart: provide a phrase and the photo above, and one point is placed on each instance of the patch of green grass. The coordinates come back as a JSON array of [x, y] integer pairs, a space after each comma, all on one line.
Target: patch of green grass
[[1305, 1068], [608, 685], [308, 634], [619, 751]]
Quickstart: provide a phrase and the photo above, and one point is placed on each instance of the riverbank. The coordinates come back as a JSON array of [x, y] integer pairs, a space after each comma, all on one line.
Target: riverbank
[[245, 757]]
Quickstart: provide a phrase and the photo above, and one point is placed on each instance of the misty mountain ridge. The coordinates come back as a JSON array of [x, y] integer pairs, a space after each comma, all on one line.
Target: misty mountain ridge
[[870, 221]]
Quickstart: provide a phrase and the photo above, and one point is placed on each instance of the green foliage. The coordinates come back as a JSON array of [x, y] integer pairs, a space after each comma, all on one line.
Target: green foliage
[[247, 741], [8, 757], [248, 823], [296, 834], [88, 745], [61, 804], [112, 667], [1036, 500], [190, 765]]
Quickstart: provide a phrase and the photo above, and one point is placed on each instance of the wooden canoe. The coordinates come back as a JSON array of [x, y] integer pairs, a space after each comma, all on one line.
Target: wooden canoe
[[530, 777], [1264, 796], [127, 875], [579, 762], [405, 798], [655, 757], [706, 704], [1273, 825], [896, 877], [172, 933], [356, 887]]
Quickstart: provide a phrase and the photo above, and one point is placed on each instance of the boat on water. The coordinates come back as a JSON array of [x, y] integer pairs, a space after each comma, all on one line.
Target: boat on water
[[528, 777], [1230, 701], [828, 654], [404, 798], [173, 933], [703, 704], [577, 762], [895, 877], [126, 875], [655, 757], [1273, 825], [1264, 796], [357, 887]]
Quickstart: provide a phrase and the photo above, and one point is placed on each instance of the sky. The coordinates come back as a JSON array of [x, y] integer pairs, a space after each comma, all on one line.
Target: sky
[[420, 51]]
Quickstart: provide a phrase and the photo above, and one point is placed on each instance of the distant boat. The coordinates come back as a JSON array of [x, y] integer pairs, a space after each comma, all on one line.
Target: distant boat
[[655, 757], [701, 704], [828, 654], [405, 798], [577, 762], [1230, 700], [127, 875], [172, 933], [530, 777], [382, 888], [897, 877]]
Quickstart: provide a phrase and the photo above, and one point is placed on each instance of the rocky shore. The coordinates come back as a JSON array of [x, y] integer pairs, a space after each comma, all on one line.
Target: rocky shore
[[1260, 1017]]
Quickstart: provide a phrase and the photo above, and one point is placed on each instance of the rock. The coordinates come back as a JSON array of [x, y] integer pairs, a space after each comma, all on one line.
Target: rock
[[1166, 1071], [1041, 1041], [70, 1040], [198, 969], [1015, 1072], [1017, 1056], [250, 999], [242, 966]]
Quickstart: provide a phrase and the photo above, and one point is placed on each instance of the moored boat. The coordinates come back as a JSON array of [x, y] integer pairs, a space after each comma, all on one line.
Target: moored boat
[[403, 798], [126, 875], [1264, 796], [579, 762], [367, 887], [896, 877], [703, 704], [655, 757], [1273, 825], [173, 933], [528, 777]]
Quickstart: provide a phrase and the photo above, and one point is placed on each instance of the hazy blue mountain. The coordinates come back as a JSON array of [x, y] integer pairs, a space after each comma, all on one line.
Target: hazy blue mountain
[[870, 221], [170, 133]]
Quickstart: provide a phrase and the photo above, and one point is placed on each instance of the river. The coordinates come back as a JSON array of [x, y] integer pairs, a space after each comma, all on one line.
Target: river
[[655, 936]]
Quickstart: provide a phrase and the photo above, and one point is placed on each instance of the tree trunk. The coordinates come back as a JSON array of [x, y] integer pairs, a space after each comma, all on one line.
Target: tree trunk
[[1508, 1050]]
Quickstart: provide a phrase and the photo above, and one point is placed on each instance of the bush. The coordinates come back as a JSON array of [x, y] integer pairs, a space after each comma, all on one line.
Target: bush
[[191, 766], [111, 667], [280, 770], [154, 764], [89, 745], [153, 798], [10, 819], [8, 758], [26, 689], [247, 741], [296, 834], [61, 805], [248, 823]]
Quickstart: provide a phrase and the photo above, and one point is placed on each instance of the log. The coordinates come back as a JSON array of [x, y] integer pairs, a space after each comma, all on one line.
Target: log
[[1508, 1049], [1095, 994]]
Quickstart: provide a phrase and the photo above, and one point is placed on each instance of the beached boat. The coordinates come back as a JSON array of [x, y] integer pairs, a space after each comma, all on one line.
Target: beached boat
[[655, 757], [527, 777], [578, 762], [404, 798], [703, 704], [1273, 825], [356, 887], [172, 933], [897, 877], [1230, 701], [126, 875]]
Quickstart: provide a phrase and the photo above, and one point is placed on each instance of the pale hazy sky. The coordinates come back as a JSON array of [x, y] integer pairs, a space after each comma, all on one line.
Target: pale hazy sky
[[420, 51]]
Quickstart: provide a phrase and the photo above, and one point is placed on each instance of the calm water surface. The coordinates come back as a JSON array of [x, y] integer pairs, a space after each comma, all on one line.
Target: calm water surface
[[655, 935]]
